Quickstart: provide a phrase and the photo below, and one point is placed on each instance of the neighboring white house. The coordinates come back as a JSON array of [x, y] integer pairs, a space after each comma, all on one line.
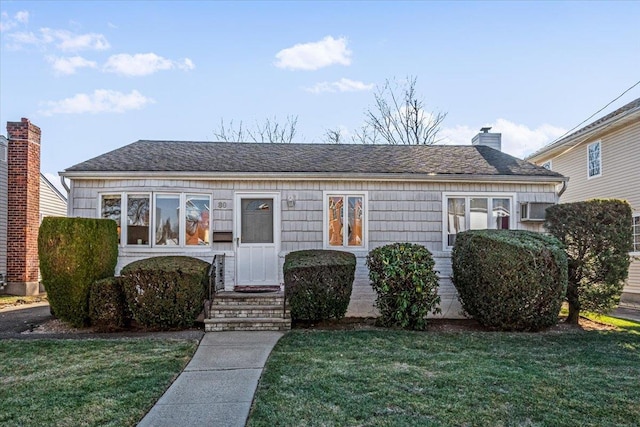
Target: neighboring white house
[[257, 202], [602, 160], [52, 201]]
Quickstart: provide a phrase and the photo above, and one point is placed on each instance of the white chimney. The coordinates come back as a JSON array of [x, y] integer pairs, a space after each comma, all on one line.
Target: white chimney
[[493, 140]]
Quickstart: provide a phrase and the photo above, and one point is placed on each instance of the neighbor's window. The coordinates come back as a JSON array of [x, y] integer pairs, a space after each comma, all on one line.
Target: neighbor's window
[[344, 214], [636, 233], [160, 219], [594, 163], [475, 213], [547, 165]]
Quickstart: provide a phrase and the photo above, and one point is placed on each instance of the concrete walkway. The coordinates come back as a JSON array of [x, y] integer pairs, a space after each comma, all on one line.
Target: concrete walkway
[[217, 386]]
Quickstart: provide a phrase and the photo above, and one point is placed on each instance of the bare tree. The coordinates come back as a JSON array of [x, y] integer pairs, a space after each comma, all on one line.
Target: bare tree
[[270, 131], [398, 117], [333, 136]]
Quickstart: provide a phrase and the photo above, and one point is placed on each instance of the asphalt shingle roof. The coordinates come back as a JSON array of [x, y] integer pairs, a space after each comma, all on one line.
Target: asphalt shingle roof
[[227, 157]]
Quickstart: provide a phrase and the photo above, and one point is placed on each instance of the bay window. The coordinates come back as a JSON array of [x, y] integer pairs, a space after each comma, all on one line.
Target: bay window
[[474, 212], [159, 219]]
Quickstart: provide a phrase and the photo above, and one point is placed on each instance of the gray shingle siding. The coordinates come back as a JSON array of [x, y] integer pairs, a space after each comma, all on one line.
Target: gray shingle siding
[[397, 211]]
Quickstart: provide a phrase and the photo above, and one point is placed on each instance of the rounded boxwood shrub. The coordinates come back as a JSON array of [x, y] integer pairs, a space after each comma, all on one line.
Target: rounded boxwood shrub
[[402, 275], [74, 253], [318, 283], [510, 279], [165, 292], [108, 309]]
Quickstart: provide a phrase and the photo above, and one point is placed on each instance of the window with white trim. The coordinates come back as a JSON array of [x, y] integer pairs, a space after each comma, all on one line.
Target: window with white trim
[[594, 160], [159, 219], [345, 222], [636, 233], [463, 212]]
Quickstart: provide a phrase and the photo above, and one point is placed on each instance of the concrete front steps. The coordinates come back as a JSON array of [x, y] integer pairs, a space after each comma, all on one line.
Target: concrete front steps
[[242, 311]]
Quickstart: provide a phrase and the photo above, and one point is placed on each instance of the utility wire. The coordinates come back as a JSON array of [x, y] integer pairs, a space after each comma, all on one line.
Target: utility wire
[[591, 116]]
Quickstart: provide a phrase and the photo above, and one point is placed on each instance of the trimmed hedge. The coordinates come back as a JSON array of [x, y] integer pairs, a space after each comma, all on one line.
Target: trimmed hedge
[[318, 283], [510, 279], [402, 275], [598, 238], [74, 253], [108, 309], [165, 292]]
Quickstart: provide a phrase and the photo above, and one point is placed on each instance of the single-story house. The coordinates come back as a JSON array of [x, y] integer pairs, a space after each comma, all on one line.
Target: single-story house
[[255, 202]]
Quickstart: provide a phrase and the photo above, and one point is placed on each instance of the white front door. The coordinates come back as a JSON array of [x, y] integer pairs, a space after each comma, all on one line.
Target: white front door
[[257, 232]]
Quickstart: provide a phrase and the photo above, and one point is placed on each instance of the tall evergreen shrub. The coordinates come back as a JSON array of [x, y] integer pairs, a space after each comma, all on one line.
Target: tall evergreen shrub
[[74, 253], [598, 238]]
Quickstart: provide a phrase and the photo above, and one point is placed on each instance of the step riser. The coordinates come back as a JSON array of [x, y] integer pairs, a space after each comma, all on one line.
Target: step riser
[[225, 328], [233, 311], [252, 301], [215, 325], [276, 314]]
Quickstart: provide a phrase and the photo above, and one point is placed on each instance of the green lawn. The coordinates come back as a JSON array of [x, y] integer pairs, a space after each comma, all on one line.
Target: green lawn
[[398, 378], [91, 382]]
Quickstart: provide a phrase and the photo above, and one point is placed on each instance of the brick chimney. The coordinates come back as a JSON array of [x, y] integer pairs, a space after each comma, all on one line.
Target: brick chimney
[[23, 217]]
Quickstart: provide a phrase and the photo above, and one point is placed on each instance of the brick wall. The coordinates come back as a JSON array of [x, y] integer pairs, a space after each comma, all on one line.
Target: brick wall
[[23, 199]]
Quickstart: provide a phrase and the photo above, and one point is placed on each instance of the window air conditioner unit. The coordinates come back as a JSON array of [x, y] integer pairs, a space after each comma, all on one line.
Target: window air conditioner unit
[[533, 211]]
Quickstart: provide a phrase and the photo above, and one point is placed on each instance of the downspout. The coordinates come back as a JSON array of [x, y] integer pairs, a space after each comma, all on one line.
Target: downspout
[[563, 189], [64, 184]]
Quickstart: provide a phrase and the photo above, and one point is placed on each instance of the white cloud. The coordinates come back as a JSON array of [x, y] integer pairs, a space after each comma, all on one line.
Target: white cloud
[[62, 39], [7, 23], [22, 17], [69, 65], [517, 139], [342, 85], [143, 64], [315, 55], [100, 101]]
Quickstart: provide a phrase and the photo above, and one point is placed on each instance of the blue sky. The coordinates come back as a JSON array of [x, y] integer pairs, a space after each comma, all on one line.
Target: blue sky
[[98, 75]]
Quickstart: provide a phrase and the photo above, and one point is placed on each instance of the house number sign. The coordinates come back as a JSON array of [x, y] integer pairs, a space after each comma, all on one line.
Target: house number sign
[[222, 205]]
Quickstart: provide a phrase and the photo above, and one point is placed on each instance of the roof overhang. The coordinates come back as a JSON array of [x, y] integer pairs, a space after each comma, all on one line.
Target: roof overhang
[[310, 176], [572, 141]]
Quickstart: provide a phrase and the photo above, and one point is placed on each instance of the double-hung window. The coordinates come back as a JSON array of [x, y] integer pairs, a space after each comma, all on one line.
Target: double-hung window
[[463, 212], [345, 222], [159, 219], [594, 160]]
